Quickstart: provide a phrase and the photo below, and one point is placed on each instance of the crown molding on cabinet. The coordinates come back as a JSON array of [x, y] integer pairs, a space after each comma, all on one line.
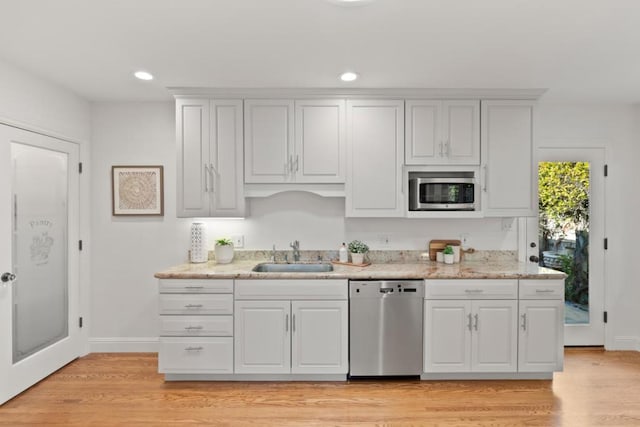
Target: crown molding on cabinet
[[354, 93]]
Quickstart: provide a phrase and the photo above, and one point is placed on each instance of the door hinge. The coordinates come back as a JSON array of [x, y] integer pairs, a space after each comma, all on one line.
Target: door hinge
[[80, 167], [80, 322], [605, 317], [606, 243], [606, 170], [79, 245]]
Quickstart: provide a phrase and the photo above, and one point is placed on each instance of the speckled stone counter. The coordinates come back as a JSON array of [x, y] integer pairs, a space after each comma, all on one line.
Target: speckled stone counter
[[242, 269]]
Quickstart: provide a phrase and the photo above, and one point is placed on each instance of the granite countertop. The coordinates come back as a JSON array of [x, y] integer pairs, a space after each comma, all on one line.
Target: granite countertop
[[241, 269]]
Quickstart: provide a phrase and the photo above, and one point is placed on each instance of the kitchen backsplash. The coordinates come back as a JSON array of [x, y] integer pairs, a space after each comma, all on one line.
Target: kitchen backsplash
[[376, 256]]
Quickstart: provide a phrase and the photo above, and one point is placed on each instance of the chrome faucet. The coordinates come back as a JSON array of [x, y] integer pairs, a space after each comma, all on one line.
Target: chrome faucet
[[296, 250]]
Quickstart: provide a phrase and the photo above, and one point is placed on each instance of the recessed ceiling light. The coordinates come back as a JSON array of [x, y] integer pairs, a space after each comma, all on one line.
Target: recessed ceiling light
[[349, 76], [143, 75]]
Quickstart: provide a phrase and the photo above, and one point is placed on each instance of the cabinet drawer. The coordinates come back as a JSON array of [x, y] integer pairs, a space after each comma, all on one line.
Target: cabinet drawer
[[196, 355], [267, 289], [196, 286], [471, 289], [196, 304], [196, 326], [541, 289]]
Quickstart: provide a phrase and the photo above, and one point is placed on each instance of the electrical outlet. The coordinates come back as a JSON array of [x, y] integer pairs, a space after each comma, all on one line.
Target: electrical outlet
[[238, 241], [507, 224], [464, 239]]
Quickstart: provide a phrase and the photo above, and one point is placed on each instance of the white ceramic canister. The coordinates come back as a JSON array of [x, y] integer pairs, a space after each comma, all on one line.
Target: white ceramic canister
[[199, 251]]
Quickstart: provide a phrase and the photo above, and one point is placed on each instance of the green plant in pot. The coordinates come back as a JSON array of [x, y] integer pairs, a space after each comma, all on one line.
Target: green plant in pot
[[357, 250], [448, 254], [224, 251]]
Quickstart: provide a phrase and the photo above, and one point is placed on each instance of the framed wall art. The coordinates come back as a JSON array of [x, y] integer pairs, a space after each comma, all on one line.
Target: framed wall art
[[137, 190]]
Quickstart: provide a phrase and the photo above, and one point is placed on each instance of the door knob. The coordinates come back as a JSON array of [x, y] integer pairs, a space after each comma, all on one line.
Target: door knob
[[7, 277], [534, 258]]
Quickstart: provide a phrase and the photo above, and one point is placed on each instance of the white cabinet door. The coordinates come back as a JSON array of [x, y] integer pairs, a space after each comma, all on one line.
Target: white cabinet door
[[269, 132], [447, 336], [461, 123], [262, 337], [495, 337], [508, 174], [541, 346], [320, 148], [375, 154], [226, 158], [319, 343], [192, 139], [442, 132], [423, 127], [209, 142]]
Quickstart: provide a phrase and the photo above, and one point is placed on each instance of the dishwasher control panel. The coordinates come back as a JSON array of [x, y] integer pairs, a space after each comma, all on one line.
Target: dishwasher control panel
[[378, 288]]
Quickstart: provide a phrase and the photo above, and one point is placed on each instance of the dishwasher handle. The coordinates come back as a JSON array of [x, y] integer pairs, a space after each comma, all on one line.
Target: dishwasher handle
[[386, 290]]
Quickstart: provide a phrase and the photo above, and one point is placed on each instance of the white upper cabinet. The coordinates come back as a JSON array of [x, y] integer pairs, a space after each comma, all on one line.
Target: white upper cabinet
[[442, 132], [209, 139], [320, 149], [300, 141], [268, 145], [507, 172], [375, 154]]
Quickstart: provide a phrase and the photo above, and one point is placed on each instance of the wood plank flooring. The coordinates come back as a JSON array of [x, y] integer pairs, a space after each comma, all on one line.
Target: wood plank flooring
[[597, 388]]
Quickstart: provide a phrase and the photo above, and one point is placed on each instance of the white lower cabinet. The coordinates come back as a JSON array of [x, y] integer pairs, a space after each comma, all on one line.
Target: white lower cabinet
[[470, 336], [501, 326], [298, 337], [291, 327], [541, 326], [196, 327]]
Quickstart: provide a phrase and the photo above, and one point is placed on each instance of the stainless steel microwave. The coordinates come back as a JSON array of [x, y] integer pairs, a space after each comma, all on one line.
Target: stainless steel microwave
[[442, 194]]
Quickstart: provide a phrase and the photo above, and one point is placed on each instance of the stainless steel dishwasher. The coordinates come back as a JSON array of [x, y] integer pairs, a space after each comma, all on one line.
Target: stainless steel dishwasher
[[385, 327]]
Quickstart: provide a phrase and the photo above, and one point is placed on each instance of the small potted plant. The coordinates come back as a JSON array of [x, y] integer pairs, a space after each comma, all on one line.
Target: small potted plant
[[357, 250], [224, 251], [448, 255]]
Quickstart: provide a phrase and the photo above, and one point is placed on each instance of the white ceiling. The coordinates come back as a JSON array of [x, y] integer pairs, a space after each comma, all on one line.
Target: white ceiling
[[581, 50]]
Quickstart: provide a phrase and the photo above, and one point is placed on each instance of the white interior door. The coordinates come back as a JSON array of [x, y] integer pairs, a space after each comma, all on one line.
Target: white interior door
[[584, 320], [39, 294]]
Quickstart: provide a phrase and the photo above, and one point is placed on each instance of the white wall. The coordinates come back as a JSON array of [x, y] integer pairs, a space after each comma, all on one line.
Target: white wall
[[127, 251], [29, 101], [35, 104], [614, 127]]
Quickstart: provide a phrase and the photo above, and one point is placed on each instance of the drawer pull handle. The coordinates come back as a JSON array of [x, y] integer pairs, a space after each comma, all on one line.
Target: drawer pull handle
[[194, 287], [193, 328], [193, 306], [469, 324], [543, 291], [200, 348], [475, 324], [473, 291]]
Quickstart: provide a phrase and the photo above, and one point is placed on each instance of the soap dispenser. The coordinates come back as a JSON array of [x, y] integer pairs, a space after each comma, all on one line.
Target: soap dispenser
[[343, 255]]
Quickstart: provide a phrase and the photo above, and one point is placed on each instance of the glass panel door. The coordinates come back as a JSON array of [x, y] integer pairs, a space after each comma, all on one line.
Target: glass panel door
[[39, 288], [570, 235], [40, 293]]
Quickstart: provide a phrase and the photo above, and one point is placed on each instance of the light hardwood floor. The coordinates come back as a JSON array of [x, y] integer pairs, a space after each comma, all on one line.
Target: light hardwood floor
[[597, 388]]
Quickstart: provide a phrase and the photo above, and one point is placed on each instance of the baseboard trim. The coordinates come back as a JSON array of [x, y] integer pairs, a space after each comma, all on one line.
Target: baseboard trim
[[124, 345], [626, 343]]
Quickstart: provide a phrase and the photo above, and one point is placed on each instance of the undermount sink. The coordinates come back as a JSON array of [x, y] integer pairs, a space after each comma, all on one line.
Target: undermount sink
[[271, 267]]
